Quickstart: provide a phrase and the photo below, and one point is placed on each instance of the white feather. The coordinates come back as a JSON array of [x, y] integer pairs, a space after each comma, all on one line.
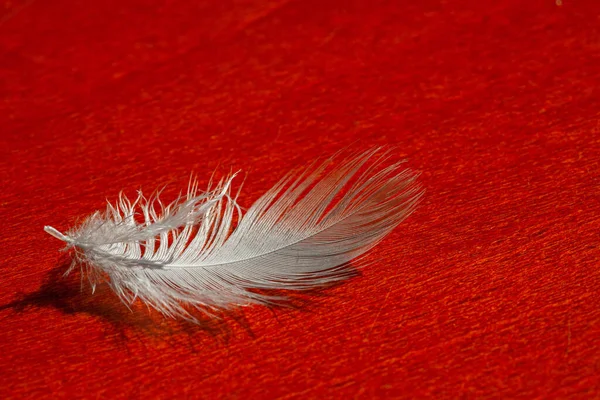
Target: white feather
[[200, 251]]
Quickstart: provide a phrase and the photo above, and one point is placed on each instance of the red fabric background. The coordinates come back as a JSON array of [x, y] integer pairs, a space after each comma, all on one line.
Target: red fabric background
[[489, 290]]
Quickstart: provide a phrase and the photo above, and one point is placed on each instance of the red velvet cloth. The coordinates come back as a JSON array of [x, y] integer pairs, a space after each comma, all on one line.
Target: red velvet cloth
[[489, 290]]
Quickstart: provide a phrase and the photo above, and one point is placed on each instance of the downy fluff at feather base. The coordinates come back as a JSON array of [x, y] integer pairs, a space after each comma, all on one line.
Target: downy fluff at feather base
[[201, 252]]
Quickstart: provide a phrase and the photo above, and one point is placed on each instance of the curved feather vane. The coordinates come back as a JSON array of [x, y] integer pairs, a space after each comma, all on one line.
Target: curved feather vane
[[200, 251]]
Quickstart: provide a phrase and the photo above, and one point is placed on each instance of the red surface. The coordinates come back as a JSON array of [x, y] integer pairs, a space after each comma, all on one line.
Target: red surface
[[489, 290]]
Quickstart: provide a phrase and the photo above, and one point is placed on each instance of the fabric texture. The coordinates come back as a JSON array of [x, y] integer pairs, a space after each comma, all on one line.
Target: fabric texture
[[490, 289]]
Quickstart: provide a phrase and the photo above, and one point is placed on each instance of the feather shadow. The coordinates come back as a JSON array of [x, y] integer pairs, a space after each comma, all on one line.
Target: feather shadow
[[72, 297]]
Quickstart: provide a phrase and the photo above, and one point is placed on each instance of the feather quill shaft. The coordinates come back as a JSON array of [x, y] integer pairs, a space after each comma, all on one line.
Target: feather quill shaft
[[201, 251]]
